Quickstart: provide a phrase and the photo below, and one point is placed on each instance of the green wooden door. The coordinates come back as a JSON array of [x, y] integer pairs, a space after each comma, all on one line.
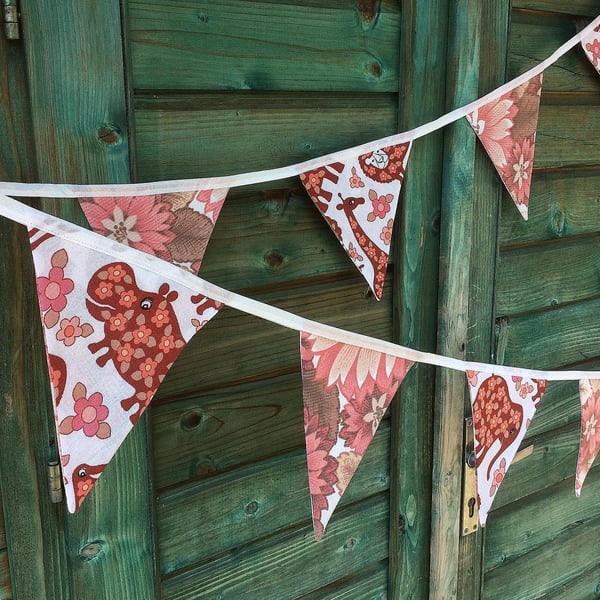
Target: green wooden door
[[208, 498]]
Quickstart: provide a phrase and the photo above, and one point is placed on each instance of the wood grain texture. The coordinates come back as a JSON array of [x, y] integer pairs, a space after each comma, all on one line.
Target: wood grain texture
[[541, 277], [254, 502], [587, 8], [276, 567], [422, 93], [206, 135], [237, 45], [76, 79]]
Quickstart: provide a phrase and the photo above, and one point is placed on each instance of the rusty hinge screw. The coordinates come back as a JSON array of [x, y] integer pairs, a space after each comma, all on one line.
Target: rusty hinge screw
[[11, 20]]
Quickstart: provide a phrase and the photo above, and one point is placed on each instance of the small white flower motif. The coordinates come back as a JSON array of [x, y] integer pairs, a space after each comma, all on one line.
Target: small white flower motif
[[521, 171], [378, 406], [121, 227]]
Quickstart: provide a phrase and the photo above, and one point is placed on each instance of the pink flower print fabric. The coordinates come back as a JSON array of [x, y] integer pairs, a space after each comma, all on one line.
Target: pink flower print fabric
[[591, 46], [358, 199], [506, 127], [346, 390], [175, 226], [112, 333], [502, 412], [589, 442]]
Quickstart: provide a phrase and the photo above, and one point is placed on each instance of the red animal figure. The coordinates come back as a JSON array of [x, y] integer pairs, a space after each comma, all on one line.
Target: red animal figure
[[377, 257], [141, 333], [83, 477], [313, 182], [495, 417]]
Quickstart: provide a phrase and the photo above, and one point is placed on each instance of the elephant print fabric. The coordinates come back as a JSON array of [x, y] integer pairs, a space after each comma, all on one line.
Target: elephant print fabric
[[346, 390], [358, 199], [112, 333], [502, 412]]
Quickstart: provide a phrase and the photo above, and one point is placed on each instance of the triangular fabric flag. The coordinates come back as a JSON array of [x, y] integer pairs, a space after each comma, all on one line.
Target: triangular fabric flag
[[346, 390], [502, 412], [174, 226], [112, 332], [589, 442], [358, 199], [506, 127], [591, 46]]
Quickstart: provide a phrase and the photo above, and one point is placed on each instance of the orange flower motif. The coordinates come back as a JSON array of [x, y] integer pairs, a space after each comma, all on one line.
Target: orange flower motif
[[148, 368], [125, 353], [116, 273], [104, 290], [117, 322], [141, 335], [127, 298], [160, 317]]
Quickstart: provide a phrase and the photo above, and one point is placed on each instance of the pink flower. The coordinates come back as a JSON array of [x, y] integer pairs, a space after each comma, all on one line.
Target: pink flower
[[355, 181], [518, 171], [381, 205], [90, 413], [355, 370], [386, 232], [312, 180], [321, 465], [53, 290], [69, 331], [498, 477], [353, 253], [142, 222], [492, 123], [594, 49], [360, 419]]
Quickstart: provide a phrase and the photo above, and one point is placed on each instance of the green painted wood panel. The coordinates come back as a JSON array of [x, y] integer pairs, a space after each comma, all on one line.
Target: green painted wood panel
[[240, 45], [368, 586], [575, 7]]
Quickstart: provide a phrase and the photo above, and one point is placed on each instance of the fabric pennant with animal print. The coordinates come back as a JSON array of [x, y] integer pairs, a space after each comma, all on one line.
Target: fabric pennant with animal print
[[506, 127], [589, 442], [347, 390], [358, 199], [591, 46], [502, 412], [174, 226], [112, 333]]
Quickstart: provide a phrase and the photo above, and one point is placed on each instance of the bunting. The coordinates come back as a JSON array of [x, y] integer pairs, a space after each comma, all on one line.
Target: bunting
[[112, 333], [589, 443], [347, 390], [173, 226], [502, 412], [506, 127], [358, 199], [591, 46]]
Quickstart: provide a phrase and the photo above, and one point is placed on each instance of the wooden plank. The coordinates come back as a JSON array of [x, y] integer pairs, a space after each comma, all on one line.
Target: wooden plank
[[76, 78], [248, 347], [540, 518], [271, 237], [549, 567], [535, 37], [193, 438], [587, 8], [563, 203], [266, 45], [554, 338], [369, 586], [550, 274], [206, 135], [553, 459], [572, 141], [455, 251], [276, 567], [422, 98], [6, 592], [581, 587], [252, 503]]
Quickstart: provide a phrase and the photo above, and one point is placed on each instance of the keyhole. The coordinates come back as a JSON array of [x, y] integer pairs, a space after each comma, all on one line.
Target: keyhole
[[471, 507]]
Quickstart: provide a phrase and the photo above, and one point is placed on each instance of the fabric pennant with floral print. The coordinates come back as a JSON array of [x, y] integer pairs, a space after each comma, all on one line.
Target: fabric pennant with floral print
[[358, 199], [589, 442], [591, 46], [502, 413], [506, 127], [347, 390], [112, 333], [174, 226]]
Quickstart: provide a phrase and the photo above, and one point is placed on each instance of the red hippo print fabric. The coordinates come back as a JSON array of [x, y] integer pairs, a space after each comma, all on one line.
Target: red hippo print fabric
[[589, 443], [347, 390], [591, 46], [506, 127], [112, 333], [175, 227], [358, 199], [502, 412]]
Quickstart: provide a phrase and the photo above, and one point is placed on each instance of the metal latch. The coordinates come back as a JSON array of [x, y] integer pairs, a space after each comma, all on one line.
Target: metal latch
[[470, 515], [11, 20], [55, 481]]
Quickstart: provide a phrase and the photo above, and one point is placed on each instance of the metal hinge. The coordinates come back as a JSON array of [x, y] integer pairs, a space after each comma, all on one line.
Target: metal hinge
[[55, 482], [469, 522], [11, 20]]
